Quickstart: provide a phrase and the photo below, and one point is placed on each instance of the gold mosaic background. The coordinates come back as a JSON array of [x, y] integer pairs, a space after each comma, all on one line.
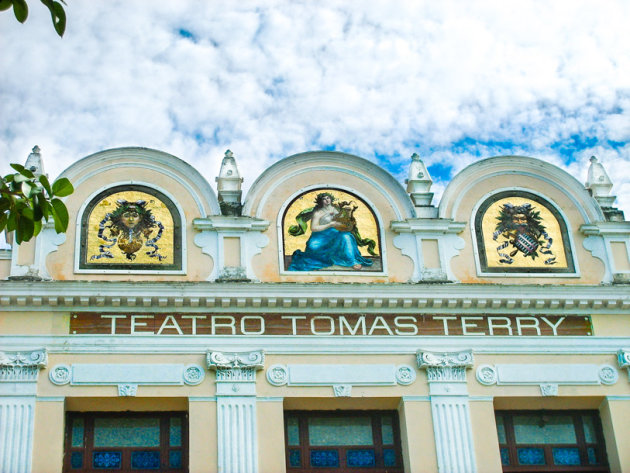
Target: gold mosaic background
[[160, 213], [552, 228], [366, 223]]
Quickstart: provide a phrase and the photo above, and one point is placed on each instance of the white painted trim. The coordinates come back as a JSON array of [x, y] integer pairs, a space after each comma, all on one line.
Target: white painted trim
[[338, 374], [335, 161], [17, 422], [293, 345], [567, 222], [93, 374], [50, 398], [520, 165], [148, 158], [280, 235], [202, 399], [79, 218], [543, 374]]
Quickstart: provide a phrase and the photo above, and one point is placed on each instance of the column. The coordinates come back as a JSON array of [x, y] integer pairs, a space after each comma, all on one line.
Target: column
[[236, 409], [446, 373], [18, 387]]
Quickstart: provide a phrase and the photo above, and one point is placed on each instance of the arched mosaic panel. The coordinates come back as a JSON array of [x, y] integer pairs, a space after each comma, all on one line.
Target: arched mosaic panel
[[331, 230], [131, 228], [520, 232]]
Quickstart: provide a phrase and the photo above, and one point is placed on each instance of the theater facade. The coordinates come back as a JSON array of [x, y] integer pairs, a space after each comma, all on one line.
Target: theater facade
[[330, 320]]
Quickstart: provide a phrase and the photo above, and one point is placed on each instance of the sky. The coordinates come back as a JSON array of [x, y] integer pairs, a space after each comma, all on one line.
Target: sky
[[454, 81]]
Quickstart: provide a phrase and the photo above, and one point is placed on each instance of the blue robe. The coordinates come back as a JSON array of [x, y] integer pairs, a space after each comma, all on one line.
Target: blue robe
[[327, 248]]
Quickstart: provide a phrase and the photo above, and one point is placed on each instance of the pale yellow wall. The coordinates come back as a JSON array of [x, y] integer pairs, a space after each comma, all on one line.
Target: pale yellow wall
[[48, 437], [620, 256], [417, 438], [614, 416], [5, 265], [431, 254], [26, 253], [232, 251], [266, 264], [611, 325], [34, 323], [270, 420], [202, 424], [485, 437], [463, 266], [60, 264]]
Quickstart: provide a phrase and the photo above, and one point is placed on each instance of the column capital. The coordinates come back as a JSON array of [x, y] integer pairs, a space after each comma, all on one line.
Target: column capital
[[218, 360], [21, 365], [445, 366]]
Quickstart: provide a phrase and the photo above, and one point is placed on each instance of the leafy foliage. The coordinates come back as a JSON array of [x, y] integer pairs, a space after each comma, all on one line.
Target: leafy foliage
[[20, 10], [27, 201]]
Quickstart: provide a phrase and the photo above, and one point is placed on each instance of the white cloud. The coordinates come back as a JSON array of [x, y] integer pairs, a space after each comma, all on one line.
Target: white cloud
[[270, 79]]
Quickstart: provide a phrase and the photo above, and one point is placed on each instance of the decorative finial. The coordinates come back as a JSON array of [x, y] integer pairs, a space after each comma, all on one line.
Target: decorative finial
[[229, 185], [419, 186], [34, 162], [599, 185]]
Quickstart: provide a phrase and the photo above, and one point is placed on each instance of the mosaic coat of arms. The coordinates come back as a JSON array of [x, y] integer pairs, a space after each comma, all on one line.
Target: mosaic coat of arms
[[520, 232], [330, 230], [130, 228]]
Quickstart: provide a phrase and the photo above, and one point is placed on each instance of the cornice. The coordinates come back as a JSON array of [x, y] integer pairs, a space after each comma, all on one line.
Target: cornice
[[606, 229], [63, 296], [428, 225], [222, 223]]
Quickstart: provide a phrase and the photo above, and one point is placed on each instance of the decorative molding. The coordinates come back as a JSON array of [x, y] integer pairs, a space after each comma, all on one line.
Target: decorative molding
[[87, 374], [236, 371], [608, 374], [60, 375], [103, 296], [449, 367], [338, 374], [556, 374], [237, 434], [21, 366], [453, 434], [127, 390], [278, 375], [17, 414], [211, 240], [254, 360], [597, 247], [548, 389], [487, 375], [194, 375], [342, 390], [405, 375]]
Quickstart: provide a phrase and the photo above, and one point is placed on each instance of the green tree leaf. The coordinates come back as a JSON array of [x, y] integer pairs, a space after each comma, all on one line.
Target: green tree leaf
[[44, 180], [27, 189], [62, 187], [22, 170], [24, 230], [20, 10], [5, 4], [37, 227], [3, 220], [60, 215]]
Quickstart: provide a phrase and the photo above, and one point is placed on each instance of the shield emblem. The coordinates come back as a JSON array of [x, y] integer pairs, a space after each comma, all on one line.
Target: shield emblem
[[526, 243]]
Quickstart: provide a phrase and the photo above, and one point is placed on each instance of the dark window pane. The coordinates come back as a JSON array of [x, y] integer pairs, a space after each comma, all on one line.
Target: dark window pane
[[329, 431], [389, 457], [540, 428], [77, 432], [293, 431], [589, 429], [592, 456], [126, 432], [175, 458], [175, 432], [566, 456], [505, 456], [76, 460], [387, 430], [109, 460], [501, 429], [148, 460], [531, 456], [324, 458], [295, 459], [360, 458]]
